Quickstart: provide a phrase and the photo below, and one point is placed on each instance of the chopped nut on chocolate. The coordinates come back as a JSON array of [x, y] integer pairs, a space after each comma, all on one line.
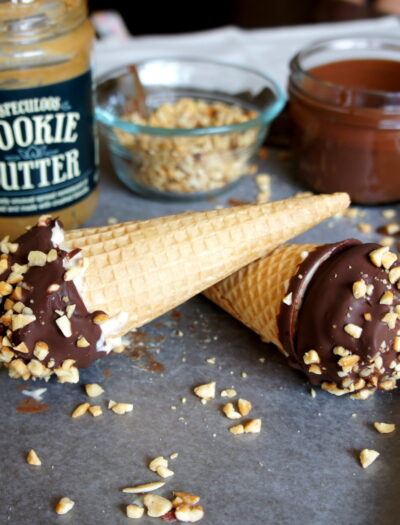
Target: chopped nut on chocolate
[[206, 391], [349, 360], [41, 350], [367, 457], [230, 412], [37, 258], [288, 299], [33, 459], [353, 330], [52, 255], [386, 241], [189, 514], [145, 487], [387, 298], [388, 259], [385, 428], [82, 342], [359, 289], [340, 350], [80, 410], [64, 324], [21, 348], [311, 357], [315, 369], [156, 505], [394, 274], [64, 505], [396, 344], [390, 319], [93, 389], [21, 320], [376, 255], [134, 511], [100, 318]]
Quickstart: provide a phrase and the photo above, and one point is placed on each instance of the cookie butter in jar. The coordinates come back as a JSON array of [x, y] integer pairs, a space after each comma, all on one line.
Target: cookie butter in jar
[[345, 112], [47, 143]]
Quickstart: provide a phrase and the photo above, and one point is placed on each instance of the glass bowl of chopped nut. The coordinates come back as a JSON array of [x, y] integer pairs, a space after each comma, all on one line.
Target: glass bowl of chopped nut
[[184, 128]]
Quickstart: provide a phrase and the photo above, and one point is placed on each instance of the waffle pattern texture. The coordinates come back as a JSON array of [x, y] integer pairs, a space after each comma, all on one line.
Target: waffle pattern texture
[[147, 268], [255, 293]]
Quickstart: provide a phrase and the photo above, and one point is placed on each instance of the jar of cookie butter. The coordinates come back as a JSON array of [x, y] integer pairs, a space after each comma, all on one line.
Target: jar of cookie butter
[[47, 140], [345, 113]]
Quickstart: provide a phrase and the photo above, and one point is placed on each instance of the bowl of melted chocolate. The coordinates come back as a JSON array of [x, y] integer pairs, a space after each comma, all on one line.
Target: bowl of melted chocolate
[[345, 117]]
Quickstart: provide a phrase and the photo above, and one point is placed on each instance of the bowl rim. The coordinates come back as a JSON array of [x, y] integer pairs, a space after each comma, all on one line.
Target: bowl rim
[[264, 117]]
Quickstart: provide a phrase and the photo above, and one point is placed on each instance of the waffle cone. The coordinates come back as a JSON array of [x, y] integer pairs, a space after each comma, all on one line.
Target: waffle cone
[[254, 294], [147, 268]]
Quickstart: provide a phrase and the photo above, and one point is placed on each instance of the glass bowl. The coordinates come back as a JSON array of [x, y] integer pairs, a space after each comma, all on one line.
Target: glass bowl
[[170, 150]]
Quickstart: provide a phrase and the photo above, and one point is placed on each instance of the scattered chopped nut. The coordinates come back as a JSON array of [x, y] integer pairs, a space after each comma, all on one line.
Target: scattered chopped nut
[[93, 389], [211, 360], [33, 459], [253, 426], [315, 369], [156, 505], [392, 228], [64, 505], [388, 259], [229, 392], [364, 227], [206, 391], [164, 472], [230, 412], [189, 514], [95, 410], [174, 455], [159, 461], [21, 320], [134, 511], [186, 497], [385, 428], [349, 360], [367, 457], [386, 241], [122, 408], [394, 274], [237, 429], [244, 407], [340, 350], [146, 487], [80, 410], [390, 319], [389, 214], [41, 350]]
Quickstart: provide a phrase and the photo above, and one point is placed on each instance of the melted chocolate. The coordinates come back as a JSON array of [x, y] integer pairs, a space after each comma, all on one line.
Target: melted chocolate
[[36, 295], [323, 303]]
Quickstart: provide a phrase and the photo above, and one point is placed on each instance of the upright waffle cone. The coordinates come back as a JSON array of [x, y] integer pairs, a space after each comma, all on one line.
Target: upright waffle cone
[[147, 268], [255, 293]]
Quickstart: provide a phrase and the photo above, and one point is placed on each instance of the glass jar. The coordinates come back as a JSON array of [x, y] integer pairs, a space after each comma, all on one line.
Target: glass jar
[[345, 113], [47, 140]]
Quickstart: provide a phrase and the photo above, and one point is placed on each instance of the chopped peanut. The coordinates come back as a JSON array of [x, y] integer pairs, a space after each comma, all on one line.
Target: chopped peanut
[[33, 459], [367, 457]]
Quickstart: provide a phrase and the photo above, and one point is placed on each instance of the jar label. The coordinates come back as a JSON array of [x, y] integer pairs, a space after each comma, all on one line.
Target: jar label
[[47, 147]]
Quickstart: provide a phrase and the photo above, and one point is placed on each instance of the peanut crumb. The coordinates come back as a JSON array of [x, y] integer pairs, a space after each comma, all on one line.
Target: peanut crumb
[[230, 411], [187, 514], [95, 410], [231, 392], [145, 487], [134, 511], [64, 505], [93, 389], [33, 459], [364, 227], [206, 391], [244, 407], [156, 505], [253, 426], [353, 330], [237, 429], [80, 410], [367, 457], [385, 428]]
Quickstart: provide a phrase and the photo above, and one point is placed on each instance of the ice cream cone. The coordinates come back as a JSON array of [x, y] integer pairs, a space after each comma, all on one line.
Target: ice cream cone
[[254, 294], [147, 268]]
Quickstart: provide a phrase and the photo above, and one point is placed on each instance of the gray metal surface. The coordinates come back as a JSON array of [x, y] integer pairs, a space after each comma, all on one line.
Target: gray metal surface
[[302, 469]]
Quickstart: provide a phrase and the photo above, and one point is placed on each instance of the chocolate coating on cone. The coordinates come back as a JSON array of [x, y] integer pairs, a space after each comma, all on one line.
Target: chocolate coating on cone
[[323, 304], [34, 293]]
